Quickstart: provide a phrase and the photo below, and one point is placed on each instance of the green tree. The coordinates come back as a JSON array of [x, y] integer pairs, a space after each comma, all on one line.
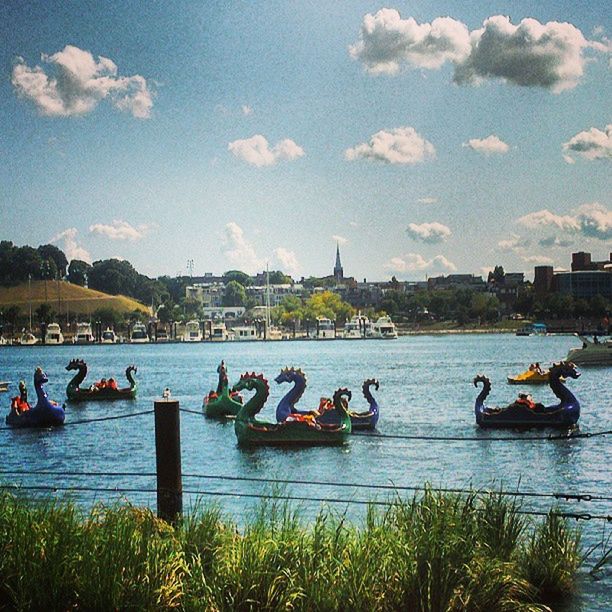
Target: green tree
[[329, 305], [50, 253], [44, 313], [238, 276], [599, 306], [235, 294], [77, 271]]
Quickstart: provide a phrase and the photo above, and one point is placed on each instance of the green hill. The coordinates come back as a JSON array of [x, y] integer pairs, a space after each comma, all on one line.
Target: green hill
[[64, 298]]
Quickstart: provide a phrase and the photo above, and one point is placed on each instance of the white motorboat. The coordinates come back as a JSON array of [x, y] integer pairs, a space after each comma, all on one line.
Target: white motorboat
[[28, 339], [384, 328], [193, 332], [4, 385], [139, 334], [592, 352], [162, 335], [218, 332], [84, 335], [54, 334], [274, 333], [325, 329], [109, 336], [245, 333], [357, 328]]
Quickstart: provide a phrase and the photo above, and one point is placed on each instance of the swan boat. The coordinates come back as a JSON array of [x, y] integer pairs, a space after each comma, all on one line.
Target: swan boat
[[523, 412]]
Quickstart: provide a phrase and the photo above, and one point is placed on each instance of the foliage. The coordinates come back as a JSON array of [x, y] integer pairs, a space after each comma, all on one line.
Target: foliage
[[329, 305], [78, 271], [235, 294], [240, 277], [435, 552], [44, 313]]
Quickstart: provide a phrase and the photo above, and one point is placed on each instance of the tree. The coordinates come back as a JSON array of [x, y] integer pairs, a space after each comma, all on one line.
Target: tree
[[77, 271], [113, 276], [44, 313], [50, 253], [279, 278], [235, 294], [329, 305], [238, 276], [26, 262]]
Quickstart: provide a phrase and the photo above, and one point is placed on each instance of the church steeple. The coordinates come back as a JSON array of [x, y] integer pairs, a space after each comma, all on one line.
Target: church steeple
[[338, 271]]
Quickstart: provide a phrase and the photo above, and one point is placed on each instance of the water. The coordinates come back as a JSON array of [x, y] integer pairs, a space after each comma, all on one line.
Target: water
[[425, 388]]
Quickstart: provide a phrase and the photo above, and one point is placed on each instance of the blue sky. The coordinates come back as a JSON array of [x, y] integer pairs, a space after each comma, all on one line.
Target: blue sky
[[235, 134]]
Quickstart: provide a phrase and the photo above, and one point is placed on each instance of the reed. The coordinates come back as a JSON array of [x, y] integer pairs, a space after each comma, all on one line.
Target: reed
[[434, 552]]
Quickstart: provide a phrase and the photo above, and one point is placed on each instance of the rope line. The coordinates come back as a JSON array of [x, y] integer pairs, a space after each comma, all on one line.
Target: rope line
[[98, 420], [332, 500], [357, 485]]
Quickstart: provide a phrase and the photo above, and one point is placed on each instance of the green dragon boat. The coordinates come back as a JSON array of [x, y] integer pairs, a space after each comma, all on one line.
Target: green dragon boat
[[222, 403], [301, 430]]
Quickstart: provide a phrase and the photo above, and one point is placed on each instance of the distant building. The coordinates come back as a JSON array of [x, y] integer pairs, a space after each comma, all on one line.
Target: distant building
[[457, 281], [506, 289], [543, 279], [338, 271]]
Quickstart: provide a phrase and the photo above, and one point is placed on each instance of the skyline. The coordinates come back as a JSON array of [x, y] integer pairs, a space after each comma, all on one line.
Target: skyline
[[423, 138]]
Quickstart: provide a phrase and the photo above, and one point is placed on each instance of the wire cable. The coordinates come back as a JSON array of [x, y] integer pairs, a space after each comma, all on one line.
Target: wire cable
[[98, 420]]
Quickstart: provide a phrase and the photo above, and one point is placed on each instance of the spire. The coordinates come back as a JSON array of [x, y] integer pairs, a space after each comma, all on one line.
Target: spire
[[338, 271]]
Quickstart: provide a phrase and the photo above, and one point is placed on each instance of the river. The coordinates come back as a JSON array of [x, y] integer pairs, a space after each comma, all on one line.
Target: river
[[425, 389]]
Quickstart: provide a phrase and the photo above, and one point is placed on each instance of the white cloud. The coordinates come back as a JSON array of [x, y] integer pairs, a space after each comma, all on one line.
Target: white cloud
[[513, 244], [257, 152], [590, 144], [246, 109], [239, 251], [538, 260], [80, 85], [341, 240], [413, 262], [72, 249], [549, 55], [431, 233], [488, 146], [427, 200], [590, 220], [401, 145], [119, 230], [387, 41], [555, 242], [286, 260]]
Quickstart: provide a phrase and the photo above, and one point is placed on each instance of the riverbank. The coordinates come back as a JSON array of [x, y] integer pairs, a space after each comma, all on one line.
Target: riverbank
[[438, 551]]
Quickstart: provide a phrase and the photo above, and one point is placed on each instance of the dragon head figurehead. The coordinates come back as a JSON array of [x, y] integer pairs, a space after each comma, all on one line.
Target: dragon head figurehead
[[290, 375]]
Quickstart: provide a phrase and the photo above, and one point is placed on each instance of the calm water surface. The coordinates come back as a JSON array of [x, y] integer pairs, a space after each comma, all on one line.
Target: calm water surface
[[425, 388]]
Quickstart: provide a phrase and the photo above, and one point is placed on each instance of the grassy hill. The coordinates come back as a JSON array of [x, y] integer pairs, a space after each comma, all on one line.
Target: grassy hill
[[65, 297]]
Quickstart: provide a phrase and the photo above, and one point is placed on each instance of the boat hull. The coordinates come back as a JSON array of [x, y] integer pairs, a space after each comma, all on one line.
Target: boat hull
[[222, 406], [259, 433]]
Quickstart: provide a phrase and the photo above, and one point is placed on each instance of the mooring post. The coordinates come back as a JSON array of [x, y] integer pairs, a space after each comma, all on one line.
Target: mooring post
[[168, 457]]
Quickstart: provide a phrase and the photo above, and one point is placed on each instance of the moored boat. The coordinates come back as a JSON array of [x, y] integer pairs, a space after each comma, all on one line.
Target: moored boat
[[325, 329], [357, 327], [524, 412], [27, 339], [83, 335], [193, 331], [593, 352], [139, 334], [109, 336], [53, 334], [384, 327]]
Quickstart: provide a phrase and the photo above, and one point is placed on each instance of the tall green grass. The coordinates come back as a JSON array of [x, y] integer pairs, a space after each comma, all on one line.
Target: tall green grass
[[435, 552]]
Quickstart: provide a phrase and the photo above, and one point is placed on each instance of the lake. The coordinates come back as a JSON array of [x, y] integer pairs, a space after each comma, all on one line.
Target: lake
[[425, 389]]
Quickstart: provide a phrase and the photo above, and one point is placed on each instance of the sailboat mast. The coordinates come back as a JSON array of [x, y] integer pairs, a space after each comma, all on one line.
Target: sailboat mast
[[30, 298], [267, 298]]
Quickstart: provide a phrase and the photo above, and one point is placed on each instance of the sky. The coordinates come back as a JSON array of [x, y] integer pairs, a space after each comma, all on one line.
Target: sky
[[423, 138]]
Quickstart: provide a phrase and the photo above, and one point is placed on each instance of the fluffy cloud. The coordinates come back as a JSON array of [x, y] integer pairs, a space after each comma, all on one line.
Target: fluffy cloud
[[513, 244], [239, 251], [428, 232], [549, 55], [339, 239], [257, 152], [286, 260], [80, 84], [590, 220], [489, 145], [538, 260], [555, 242], [590, 144], [119, 230], [246, 109], [71, 247], [401, 145], [413, 262]]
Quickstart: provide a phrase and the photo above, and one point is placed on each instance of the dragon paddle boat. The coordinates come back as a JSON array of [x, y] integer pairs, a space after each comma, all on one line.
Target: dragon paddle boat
[[524, 412], [325, 413], [46, 413], [296, 430], [222, 403], [100, 391]]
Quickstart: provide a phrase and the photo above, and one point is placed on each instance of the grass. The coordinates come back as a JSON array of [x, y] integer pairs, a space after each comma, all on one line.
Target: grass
[[435, 552], [75, 299]]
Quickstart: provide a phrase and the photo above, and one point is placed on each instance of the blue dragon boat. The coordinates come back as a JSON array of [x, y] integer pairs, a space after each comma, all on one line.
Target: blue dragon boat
[[45, 413], [524, 412]]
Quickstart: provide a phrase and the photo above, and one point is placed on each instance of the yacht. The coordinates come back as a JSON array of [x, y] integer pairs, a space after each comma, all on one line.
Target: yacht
[[245, 333], [139, 334], [162, 335], [193, 333], [28, 339], [592, 352], [54, 334], [109, 336], [384, 328], [273, 333], [84, 335], [358, 327], [325, 329], [218, 332]]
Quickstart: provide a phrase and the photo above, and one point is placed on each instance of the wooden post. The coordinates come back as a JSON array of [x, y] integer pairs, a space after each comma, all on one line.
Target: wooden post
[[168, 457]]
